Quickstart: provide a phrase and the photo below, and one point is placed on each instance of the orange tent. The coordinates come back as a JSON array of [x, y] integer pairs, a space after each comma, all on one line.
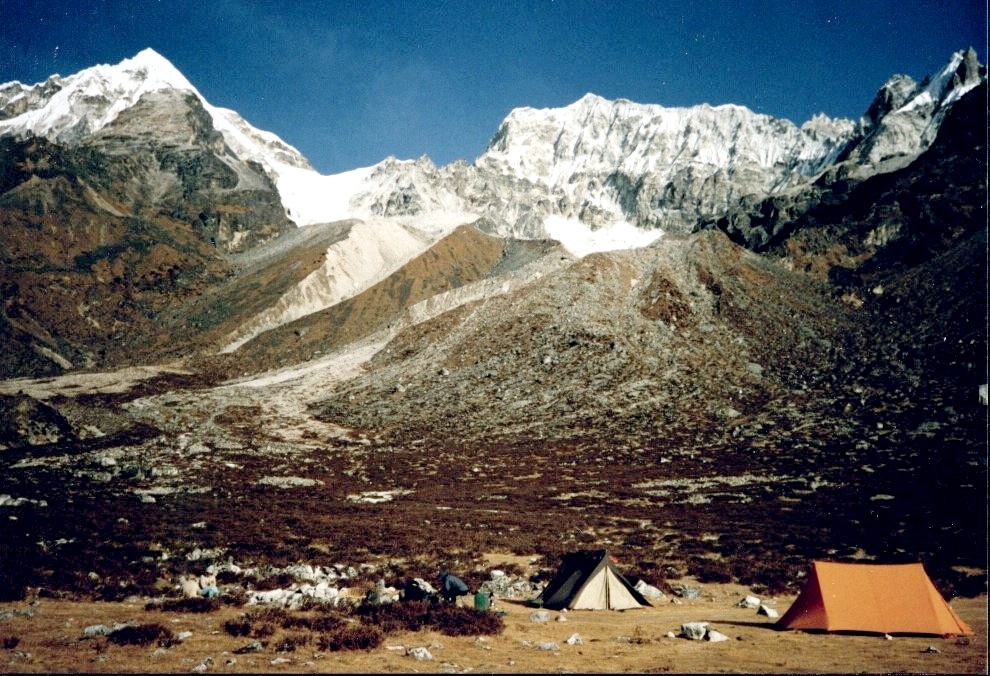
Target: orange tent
[[885, 599]]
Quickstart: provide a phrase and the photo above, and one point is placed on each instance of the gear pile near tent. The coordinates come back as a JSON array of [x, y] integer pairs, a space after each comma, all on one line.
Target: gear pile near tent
[[872, 598], [589, 580]]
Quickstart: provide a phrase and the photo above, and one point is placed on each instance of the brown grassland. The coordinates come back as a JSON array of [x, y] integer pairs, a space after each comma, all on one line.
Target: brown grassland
[[631, 641]]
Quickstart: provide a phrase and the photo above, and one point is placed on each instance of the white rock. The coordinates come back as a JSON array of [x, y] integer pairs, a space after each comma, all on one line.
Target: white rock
[[716, 636], [648, 590], [419, 653], [575, 639], [539, 616], [766, 610], [96, 630], [749, 602]]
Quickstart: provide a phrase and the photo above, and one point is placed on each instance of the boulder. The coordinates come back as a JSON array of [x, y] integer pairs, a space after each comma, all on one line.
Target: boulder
[[766, 610], [649, 591], [686, 592], [252, 647], [96, 630], [421, 654], [539, 616], [694, 630], [418, 589], [716, 636], [749, 602], [25, 421]]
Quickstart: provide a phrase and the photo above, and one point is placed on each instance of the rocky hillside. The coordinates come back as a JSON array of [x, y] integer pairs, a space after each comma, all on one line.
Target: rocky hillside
[[105, 233], [879, 278]]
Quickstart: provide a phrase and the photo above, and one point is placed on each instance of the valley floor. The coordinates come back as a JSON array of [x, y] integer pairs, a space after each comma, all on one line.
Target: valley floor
[[51, 640]]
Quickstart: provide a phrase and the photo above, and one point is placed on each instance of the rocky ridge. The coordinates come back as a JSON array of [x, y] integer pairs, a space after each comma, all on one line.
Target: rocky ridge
[[598, 161]]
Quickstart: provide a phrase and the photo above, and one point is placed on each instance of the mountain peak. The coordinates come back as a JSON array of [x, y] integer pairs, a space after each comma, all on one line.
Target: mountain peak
[[149, 64], [67, 108]]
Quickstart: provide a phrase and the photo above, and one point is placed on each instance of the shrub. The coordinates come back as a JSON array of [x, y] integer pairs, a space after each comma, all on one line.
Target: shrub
[[234, 597], [227, 577], [452, 620], [279, 616], [764, 578], [10, 642], [241, 627], [393, 617], [325, 623], [710, 571], [351, 637], [415, 615], [310, 603], [277, 581], [263, 631], [142, 634], [290, 642]]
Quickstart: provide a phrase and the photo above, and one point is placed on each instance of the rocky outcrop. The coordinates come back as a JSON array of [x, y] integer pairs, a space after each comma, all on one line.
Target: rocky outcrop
[[25, 421], [878, 218], [105, 231], [905, 116]]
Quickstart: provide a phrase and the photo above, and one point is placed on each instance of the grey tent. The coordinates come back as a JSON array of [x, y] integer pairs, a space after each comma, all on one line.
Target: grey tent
[[589, 580]]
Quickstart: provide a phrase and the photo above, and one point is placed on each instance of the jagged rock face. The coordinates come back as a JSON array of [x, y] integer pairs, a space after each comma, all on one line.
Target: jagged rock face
[[655, 166], [600, 161], [884, 215], [164, 155], [905, 116]]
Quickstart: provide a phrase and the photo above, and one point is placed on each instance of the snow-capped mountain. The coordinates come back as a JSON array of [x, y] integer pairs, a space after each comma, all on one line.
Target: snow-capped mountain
[[597, 164], [593, 164], [138, 141], [905, 115], [70, 108]]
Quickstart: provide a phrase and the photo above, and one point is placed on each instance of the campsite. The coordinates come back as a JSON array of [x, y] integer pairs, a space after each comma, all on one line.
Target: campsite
[[643, 640]]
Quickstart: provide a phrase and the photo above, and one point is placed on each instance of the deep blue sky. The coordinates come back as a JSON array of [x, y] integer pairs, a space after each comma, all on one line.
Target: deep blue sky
[[349, 83]]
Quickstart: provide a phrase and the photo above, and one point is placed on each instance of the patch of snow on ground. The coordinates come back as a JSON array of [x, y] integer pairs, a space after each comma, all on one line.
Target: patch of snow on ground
[[581, 240], [376, 497]]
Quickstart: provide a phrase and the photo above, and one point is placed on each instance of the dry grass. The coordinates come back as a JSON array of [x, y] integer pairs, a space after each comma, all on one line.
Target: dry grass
[[631, 641]]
